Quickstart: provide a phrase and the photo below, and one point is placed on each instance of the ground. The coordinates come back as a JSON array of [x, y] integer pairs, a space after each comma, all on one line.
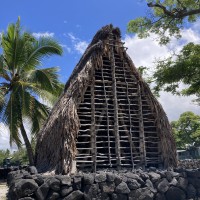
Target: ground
[[3, 190]]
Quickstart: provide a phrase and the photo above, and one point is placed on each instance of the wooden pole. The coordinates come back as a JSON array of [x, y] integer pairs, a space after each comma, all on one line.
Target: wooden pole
[[93, 122], [141, 128], [130, 121], [107, 116], [114, 87]]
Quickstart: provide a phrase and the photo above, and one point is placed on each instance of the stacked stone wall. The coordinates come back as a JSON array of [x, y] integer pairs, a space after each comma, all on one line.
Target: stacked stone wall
[[152, 184]]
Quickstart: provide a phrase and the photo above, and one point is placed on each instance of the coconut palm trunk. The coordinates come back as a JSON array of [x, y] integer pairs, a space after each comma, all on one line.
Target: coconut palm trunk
[[27, 144]]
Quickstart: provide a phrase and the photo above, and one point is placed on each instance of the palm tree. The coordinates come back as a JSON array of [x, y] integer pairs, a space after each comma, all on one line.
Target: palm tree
[[23, 84]]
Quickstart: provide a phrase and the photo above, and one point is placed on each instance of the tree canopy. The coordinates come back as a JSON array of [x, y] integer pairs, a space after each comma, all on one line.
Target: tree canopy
[[186, 69], [24, 83], [165, 18], [187, 130]]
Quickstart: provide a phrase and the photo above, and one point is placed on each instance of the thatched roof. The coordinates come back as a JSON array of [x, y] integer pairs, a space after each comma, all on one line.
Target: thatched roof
[[105, 90]]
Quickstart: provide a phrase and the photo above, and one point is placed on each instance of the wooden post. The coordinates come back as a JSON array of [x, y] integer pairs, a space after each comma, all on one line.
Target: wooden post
[[93, 133], [141, 128], [114, 87], [107, 116], [130, 121]]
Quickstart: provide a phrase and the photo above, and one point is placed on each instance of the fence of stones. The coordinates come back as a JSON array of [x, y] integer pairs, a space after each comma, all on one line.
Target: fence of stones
[[152, 184], [189, 163]]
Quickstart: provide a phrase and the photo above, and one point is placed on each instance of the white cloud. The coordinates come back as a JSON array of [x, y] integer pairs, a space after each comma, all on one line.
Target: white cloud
[[66, 47], [190, 35], [81, 46], [78, 45], [72, 37], [5, 136], [43, 34], [143, 53]]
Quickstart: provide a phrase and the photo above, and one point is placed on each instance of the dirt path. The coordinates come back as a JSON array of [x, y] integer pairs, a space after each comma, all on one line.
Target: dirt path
[[3, 190]]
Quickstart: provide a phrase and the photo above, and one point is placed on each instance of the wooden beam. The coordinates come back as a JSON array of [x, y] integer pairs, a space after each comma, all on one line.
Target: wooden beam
[[130, 120], [141, 128], [114, 87], [107, 116], [92, 131]]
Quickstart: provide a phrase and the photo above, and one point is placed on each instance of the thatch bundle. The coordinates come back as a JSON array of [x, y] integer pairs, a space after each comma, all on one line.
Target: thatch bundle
[[106, 117]]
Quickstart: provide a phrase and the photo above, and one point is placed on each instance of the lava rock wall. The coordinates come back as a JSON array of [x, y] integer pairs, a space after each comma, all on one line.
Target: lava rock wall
[[180, 184]]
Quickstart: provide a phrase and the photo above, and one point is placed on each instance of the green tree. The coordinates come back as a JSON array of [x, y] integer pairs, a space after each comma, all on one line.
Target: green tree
[[4, 154], [24, 84], [185, 69], [166, 19], [19, 157], [187, 129]]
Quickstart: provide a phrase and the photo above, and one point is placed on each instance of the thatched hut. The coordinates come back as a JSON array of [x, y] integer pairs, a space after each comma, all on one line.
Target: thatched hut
[[107, 116]]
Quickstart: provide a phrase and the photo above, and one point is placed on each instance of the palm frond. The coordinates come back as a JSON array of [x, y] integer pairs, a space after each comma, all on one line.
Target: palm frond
[[12, 118], [46, 80], [3, 69], [42, 48], [31, 107], [39, 113], [38, 92]]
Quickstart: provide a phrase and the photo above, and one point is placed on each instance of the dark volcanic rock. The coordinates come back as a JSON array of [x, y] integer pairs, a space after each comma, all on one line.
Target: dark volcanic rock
[[26, 175], [136, 177], [77, 182], [195, 182], [117, 180], [160, 196], [119, 196], [25, 187], [133, 184], [54, 183], [191, 191], [102, 196], [64, 180], [26, 198], [53, 195], [193, 173], [144, 176], [110, 177], [65, 190], [122, 188], [38, 179], [76, 195], [182, 183], [13, 176], [88, 179], [149, 184], [163, 185], [100, 177], [107, 187], [175, 193], [32, 170], [91, 191], [142, 194], [154, 176], [174, 182], [42, 191]]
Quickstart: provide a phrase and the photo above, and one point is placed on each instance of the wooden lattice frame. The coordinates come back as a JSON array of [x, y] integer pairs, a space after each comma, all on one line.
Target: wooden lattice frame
[[105, 90]]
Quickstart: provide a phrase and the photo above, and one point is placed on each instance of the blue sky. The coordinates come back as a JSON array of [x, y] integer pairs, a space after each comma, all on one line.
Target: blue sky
[[74, 23]]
